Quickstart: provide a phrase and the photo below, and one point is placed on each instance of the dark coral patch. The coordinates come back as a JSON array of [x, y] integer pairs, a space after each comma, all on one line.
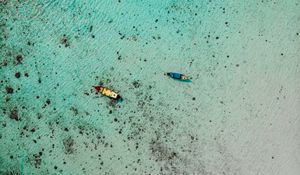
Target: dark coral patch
[[14, 114], [18, 75], [9, 89], [136, 84], [64, 41], [19, 59], [69, 143]]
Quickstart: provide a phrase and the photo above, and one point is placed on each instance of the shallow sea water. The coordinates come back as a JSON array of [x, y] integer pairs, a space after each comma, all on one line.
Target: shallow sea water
[[238, 116]]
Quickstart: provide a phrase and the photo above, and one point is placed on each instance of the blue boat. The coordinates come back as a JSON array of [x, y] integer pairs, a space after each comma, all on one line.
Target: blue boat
[[179, 76]]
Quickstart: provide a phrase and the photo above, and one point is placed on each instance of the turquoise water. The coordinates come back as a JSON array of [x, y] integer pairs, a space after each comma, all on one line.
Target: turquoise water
[[239, 115]]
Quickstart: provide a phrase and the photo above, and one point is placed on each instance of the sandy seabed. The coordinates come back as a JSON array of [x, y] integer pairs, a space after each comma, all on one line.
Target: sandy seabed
[[238, 116]]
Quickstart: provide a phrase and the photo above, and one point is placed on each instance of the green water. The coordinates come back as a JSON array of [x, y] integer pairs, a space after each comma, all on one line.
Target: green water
[[238, 116]]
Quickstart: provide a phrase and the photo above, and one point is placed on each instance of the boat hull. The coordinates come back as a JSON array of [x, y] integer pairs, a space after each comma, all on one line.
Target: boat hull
[[178, 76], [108, 92]]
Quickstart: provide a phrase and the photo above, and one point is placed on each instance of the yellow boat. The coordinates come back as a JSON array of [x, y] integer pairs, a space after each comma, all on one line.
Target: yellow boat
[[108, 92]]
